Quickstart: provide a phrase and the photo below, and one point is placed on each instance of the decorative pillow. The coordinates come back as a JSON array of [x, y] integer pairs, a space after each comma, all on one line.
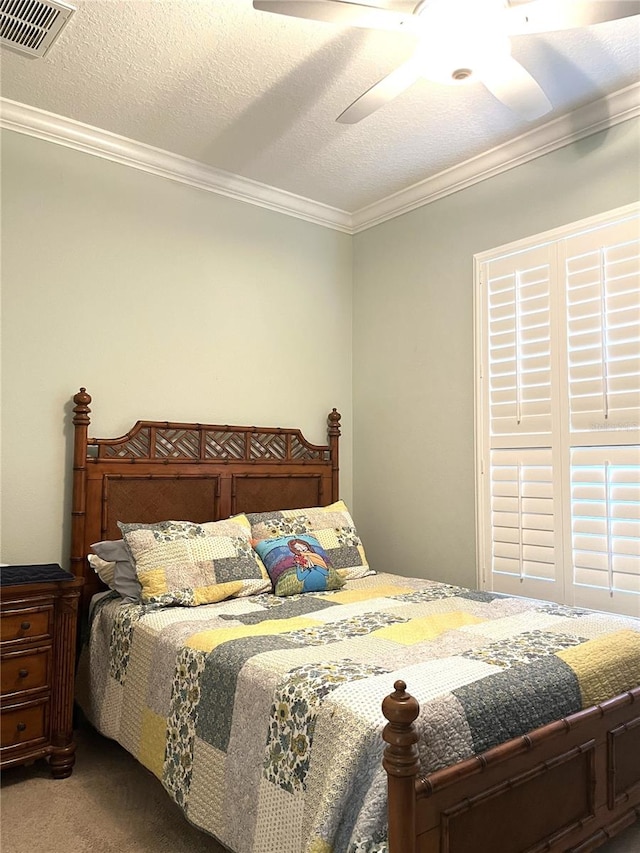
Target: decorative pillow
[[123, 575], [180, 562], [331, 525], [298, 564]]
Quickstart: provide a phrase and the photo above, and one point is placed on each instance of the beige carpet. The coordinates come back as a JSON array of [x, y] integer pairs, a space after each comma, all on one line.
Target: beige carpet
[[111, 804]]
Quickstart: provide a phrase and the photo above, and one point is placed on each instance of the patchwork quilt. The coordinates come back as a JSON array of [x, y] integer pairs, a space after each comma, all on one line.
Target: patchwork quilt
[[262, 715]]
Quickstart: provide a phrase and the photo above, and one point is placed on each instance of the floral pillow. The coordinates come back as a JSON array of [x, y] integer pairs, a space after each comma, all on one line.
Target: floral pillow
[[298, 564], [331, 525], [180, 562]]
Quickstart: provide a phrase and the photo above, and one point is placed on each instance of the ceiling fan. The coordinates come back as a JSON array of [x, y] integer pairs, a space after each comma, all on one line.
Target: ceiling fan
[[459, 41]]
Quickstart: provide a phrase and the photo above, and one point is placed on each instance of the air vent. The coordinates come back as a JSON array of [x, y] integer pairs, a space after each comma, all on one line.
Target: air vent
[[31, 26]]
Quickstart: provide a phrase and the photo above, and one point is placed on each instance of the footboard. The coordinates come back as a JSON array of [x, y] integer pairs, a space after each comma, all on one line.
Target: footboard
[[569, 785]]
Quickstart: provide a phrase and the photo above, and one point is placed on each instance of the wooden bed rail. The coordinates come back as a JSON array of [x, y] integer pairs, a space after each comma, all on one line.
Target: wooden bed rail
[[591, 757]]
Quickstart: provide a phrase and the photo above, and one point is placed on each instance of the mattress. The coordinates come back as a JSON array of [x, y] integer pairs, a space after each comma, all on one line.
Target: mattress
[[262, 715]]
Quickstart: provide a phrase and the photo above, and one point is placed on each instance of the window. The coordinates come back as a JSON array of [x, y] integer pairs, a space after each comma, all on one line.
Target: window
[[558, 414]]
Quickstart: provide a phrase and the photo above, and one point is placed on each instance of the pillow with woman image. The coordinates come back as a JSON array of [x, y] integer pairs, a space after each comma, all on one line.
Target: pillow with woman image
[[297, 564]]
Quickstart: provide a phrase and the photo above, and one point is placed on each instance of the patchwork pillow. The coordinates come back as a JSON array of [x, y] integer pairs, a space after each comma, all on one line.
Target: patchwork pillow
[[331, 525], [112, 562], [298, 564], [180, 562]]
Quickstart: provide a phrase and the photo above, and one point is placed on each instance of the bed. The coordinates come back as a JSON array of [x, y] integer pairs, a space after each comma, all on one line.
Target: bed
[[269, 718]]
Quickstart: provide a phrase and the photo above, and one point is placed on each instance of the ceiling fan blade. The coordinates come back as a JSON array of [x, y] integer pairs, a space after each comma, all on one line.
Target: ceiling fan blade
[[545, 16], [338, 12], [516, 88], [381, 93]]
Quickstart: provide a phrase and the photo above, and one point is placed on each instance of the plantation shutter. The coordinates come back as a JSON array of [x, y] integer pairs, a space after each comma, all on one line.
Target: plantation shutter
[[603, 319], [558, 415], [523, 520], [519, 296], [605, 520]]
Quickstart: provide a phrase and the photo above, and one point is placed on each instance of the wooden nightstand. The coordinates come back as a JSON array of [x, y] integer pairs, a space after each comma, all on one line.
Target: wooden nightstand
[[38, 618]]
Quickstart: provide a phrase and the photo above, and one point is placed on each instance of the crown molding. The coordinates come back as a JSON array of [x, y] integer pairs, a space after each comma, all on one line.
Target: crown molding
[[598, 115], [585, 121], [110, 146]]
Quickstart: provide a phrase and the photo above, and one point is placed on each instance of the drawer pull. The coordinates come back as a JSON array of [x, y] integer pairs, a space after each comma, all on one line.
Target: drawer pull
[[23, 673], [25, 625], [21, 727]]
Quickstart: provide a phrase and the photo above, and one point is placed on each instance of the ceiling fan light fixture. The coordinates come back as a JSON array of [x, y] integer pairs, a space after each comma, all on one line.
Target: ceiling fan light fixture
[[458, 58], [459, 37], [458, 41]]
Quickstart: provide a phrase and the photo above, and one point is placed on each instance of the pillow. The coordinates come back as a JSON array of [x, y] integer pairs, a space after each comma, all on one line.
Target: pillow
[[180, 562], [298, 564], [123, 576], [103, 569], [331, 525]]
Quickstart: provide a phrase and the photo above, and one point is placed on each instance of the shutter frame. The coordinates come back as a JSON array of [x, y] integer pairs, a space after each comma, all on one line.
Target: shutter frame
[[573, 428]]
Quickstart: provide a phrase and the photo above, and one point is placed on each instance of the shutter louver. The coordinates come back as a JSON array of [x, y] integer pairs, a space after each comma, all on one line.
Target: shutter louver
[[522, 512], [603, 316], [605, 522], [519, 343]]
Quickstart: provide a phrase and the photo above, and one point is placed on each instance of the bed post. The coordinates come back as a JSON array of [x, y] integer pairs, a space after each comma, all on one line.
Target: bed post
[[333, 433], [81, 426], [402, 765]]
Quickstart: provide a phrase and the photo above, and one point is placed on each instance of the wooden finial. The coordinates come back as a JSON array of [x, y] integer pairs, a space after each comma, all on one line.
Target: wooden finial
[[81, 409], [401, 754], [401, 761], [334, 423]]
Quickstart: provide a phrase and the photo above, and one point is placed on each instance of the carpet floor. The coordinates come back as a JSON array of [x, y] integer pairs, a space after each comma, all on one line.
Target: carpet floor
[[111, 804]]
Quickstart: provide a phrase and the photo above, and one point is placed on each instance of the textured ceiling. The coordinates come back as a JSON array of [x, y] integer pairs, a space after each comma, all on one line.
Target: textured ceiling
[[257, 94]]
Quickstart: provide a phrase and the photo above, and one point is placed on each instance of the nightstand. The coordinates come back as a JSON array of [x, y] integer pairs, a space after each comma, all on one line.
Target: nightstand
[[38, 619]]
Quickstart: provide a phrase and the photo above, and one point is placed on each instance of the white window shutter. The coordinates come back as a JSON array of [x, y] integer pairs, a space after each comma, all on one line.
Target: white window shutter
[[605, 523], [519, 349], [603, 320], [522, 550], [558, 414]]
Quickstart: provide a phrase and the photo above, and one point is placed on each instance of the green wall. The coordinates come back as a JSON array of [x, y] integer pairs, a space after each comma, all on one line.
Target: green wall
[[413, 353], [165, 302], [168, 301]]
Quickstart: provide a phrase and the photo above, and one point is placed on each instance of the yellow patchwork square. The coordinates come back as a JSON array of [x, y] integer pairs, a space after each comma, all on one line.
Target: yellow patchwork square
[[206, 641], [605, 666], [352, 596], [319, 845], [216, 592], [153, 582], [426, 627], [152, 742]]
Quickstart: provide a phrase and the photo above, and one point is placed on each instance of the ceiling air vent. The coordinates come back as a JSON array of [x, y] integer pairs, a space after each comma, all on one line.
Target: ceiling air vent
[[32, 26]]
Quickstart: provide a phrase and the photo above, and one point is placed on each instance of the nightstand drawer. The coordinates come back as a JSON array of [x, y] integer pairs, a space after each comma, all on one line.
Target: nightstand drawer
[[24, 724], [24, 671], [26, 624]]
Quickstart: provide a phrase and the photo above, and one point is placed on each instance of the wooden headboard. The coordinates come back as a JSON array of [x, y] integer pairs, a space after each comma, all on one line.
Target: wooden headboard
[[162, 470]]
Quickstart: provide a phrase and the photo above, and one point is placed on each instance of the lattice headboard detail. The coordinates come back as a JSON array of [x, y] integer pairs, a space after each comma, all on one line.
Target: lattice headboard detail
[[162, 470]]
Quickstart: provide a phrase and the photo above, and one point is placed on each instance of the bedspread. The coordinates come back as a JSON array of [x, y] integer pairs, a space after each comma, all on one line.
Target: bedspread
[[262, 715]]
